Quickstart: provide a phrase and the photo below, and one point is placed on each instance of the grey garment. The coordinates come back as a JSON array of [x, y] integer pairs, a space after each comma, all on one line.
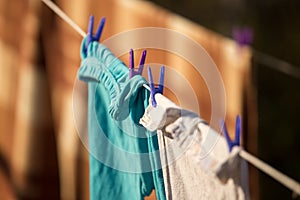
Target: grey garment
[[195, 159], [236, 168]]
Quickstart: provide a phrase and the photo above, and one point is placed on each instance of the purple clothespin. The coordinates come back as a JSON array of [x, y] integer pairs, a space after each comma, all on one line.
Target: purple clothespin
[[90, 36], [160, 88], [132, 72], [243, 36], [236, 141]]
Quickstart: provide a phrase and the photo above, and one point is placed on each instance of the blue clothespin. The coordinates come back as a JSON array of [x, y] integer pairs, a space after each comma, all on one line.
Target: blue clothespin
[[132, 72], [160, 87], [236, 141], [243, 36], [90, 36]]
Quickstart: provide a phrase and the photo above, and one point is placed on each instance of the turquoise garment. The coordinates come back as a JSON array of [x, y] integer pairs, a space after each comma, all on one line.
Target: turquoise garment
[[124, 157]]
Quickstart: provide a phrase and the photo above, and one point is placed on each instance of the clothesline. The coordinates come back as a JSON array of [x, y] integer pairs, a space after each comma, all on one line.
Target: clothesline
[[276, 64], [277, 175]]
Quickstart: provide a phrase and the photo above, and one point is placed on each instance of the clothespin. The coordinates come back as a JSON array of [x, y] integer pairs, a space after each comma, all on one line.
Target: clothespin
[[236, 141], [160, 88], [90, 36], [243, 36], [132, 72]]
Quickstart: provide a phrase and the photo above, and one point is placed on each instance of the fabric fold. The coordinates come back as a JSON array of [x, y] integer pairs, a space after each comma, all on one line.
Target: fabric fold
[[100, 65]]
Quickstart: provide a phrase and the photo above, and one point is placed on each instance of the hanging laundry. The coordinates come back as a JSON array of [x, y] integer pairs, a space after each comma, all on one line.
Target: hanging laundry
[[123, 163], [192, 169]]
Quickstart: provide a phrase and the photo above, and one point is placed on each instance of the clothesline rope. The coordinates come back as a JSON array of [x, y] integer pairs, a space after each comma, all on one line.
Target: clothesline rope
[[64, 16], [280, 177], [277, 175], [276, 64]]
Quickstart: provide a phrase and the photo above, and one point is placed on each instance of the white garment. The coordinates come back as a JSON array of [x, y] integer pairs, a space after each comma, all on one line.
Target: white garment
[[194, 157]]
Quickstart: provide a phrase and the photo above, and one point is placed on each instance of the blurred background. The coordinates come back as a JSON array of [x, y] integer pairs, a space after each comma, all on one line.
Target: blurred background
[[41, 155]]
